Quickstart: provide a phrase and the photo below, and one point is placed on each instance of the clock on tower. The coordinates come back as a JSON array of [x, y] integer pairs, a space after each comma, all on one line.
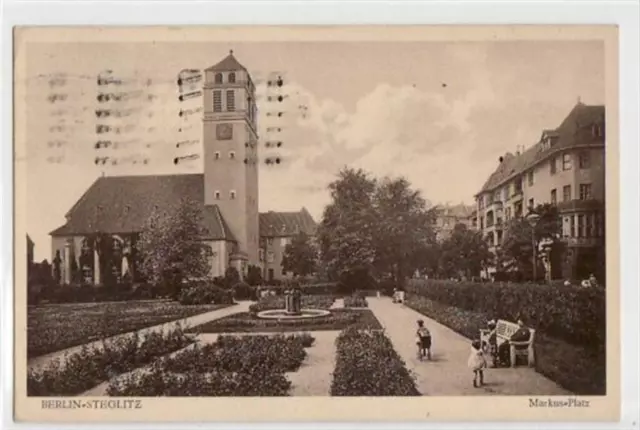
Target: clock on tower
[[224, 131]]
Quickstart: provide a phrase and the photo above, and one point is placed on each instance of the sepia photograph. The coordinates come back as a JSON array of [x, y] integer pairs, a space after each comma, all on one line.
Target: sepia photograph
[[246, 217]]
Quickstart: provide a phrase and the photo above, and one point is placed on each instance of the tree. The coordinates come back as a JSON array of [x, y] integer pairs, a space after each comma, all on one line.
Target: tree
[[231, 277], [171, 247], [254, 275], [516, 251], [300, 256], [346, 232], [403, 229], [465, 253]]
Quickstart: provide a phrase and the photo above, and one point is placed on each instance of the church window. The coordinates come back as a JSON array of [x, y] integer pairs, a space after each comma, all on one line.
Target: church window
[[217, 101], [232, 155], [232, 78], [217, 155], [232, 194], [218, 78], [217, 195], [231, 101], [270, 257]]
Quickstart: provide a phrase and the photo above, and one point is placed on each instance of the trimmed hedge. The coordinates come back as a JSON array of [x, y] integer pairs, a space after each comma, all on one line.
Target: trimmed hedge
[[368, 365], [575, 314], [103, 293], [205, 293]]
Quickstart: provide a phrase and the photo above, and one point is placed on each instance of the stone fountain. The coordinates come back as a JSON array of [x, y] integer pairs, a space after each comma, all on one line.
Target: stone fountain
[[293, 308]]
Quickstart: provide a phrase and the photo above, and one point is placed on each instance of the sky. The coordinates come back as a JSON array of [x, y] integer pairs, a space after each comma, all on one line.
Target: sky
[[438, 113]]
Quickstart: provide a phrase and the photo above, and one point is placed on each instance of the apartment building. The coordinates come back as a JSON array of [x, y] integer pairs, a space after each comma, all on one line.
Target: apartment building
[[565, 168], [447, 216]]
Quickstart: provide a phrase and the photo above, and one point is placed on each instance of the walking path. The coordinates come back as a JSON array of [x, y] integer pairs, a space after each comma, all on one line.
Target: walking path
[[44, 360], [447, 373]]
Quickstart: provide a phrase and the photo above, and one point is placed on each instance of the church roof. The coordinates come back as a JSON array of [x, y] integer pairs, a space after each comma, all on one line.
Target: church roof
[[282, 224], [229, 63], [122, 204], [574, 130]]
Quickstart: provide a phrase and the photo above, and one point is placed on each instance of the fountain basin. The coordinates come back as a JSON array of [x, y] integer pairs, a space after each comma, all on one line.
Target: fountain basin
[[283, 314]]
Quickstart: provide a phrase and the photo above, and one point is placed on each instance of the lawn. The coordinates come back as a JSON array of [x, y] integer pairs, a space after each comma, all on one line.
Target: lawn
[[339, 319], [60, 326]]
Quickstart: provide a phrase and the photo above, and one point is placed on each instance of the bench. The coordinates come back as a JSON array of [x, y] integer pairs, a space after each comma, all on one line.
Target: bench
[[504, 331]]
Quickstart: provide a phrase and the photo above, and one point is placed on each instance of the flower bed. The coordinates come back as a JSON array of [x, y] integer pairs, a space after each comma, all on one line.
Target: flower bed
[[577, 368], [92, 366], [355, 301], [57, 327], [232, 366], [246, 322], [367, 365], [574, 314], [278, 302]]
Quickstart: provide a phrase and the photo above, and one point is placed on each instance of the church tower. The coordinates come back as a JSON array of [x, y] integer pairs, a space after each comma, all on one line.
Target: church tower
[[230, 142]]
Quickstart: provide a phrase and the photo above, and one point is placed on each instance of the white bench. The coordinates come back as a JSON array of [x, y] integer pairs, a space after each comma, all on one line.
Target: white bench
[[504, 331]]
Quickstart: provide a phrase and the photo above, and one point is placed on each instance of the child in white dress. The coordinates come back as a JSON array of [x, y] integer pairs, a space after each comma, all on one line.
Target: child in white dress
[[477, 362]]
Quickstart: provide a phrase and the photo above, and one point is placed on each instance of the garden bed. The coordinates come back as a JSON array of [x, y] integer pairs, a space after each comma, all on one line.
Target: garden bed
[[232, 366], [368, 365], [339, 319], [355, 301], [91, 366], [576, 368], [56, 327]]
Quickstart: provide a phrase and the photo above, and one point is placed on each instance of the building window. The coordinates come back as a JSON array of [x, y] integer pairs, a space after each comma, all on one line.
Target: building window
[[554, 197], [270, 241], [261, 254], [566, 193], [232, 195], [566, 161], [518, 186], [572, 232], [584, 161], [531, 202], [507, 214], [530, 178], [585, 192], [270, 257], [218, 78], [217, 195], [217, 101], [232, 155], [596, 130], [284, 272], [217, 155], [232, 78], [581, 226], [552, 164], [231, 101]]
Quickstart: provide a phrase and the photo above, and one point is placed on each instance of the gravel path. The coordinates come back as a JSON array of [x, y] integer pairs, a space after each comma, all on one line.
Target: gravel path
[[447, 373], [44, 360]]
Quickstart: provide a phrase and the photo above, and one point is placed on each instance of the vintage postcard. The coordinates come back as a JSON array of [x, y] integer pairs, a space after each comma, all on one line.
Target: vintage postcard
[[316, 224]]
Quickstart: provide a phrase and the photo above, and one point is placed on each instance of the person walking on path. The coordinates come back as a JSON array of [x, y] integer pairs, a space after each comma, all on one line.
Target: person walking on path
[[423, 340], [477, 362]]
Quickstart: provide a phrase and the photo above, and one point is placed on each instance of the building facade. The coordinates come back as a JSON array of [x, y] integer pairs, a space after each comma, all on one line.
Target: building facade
[[116, 209], [565, 168], [447, 216]]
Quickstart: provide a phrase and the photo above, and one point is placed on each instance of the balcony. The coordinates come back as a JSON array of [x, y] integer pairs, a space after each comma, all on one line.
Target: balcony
[[580, 205]]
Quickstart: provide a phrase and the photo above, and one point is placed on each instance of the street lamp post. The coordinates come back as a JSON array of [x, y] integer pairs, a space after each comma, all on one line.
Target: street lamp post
[[533, 217]]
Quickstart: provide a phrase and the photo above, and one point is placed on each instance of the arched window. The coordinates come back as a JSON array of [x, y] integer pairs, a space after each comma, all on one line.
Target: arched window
[[232, 155], [232, 78], [232, 194], [217, 195], [218, 78]]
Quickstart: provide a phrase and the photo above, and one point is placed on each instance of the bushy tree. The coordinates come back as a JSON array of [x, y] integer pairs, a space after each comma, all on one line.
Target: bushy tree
[[464, 253], [171, 248], [300, 256], [231, 277], [254, 275]]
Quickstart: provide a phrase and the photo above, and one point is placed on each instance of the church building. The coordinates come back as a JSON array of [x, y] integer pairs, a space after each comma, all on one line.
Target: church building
[[227, 190]]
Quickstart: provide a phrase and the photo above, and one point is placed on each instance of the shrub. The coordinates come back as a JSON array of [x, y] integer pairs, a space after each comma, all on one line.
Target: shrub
[[92, 366], [244, 291], [84, 293], [254, 276], [355, 301], [367, 365], [159, 383], [571, 313], [205, 293]]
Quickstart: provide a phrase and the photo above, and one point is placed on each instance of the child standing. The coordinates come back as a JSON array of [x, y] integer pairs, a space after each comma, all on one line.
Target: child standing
[[423, 340], [477, 362]]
